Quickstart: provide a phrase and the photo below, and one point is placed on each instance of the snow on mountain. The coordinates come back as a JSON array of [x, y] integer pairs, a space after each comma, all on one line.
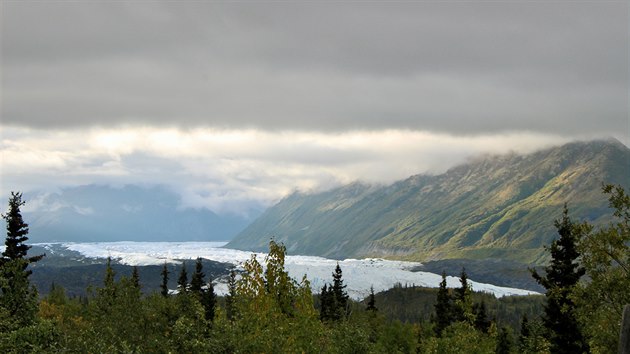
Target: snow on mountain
[[359, 274]]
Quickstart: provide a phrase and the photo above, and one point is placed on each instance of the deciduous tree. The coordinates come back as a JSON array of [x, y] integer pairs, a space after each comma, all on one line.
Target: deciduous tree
[[606, 259]]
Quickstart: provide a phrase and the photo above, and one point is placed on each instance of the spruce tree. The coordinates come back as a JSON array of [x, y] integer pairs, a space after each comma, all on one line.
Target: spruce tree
[[164, 285], [504, 342], [371, 305], [339, 295], [443, 308], [230, 298], [482, 323], [525, 332], [561, 277], [17, 297], [182, 281], [325, 301], [135, 278], [463, 300], [196, 282], [209, 300]]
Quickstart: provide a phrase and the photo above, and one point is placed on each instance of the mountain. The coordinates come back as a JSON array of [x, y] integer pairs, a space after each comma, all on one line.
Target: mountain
[[499, 207], [104, 213]]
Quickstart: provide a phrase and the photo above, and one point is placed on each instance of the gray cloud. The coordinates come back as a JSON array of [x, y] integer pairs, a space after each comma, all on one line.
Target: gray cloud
[[457, 67]]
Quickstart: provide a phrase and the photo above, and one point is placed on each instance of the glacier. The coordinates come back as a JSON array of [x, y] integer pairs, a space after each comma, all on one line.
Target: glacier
[[358, 274]]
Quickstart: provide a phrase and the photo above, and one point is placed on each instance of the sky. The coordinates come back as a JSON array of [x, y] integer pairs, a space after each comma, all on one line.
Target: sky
[[238, 103]]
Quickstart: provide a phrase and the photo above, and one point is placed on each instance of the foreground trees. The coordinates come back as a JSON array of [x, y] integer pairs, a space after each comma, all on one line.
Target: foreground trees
[[268, 311], [606, 260], [560, 279], [18, 299]]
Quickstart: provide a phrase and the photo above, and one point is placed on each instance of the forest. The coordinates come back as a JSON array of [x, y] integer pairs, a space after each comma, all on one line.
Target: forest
[[586, 282]]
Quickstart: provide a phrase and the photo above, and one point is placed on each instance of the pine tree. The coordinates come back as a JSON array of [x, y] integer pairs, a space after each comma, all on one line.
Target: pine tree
[[371, 305], [561, 277], [196, 282], [164, 285], [182, 281], [17, 297], [443, 308]]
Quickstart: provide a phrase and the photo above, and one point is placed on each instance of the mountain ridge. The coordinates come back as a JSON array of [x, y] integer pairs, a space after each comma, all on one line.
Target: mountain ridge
[[497, 206]]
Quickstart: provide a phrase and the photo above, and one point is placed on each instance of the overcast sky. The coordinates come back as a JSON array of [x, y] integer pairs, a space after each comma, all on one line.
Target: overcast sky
[[233, 103]]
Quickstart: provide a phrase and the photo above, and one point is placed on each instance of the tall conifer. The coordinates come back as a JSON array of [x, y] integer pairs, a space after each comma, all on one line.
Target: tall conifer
[[340, 296], [562, 275], [164, 284], [371, 305], [443, 307], [182, 281], [209, 300], [17, 297], [196, 281]]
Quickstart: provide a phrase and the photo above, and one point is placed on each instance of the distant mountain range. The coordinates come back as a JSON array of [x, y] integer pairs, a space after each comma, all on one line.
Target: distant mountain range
[[494, 207], [104, 213]]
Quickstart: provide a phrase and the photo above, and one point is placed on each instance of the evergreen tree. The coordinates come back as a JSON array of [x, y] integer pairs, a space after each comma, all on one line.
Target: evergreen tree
[[108, 281], [164, 285], [230, 307], [18, 299], [463, 300], [525, 332], [504, 342], [325, 301], [196, 282], [339, 295], [482, 323], [560, 279], [17, 229], [443, 308], [209, 300], [371, 305], [135, 278], [108, 292], [182, 281]]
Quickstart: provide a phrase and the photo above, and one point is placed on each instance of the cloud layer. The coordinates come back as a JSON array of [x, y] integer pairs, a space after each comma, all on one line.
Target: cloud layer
[[455, 67], [231, 170], [238, 103]]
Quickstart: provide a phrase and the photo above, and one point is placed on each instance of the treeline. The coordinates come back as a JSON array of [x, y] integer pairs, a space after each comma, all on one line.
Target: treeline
[[587, 283], [415, 304]]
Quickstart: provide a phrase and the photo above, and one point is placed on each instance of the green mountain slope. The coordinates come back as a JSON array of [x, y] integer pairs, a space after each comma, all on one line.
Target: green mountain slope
[[500, 207]]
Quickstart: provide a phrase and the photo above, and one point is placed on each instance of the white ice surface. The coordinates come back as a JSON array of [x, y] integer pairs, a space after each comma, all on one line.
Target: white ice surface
[[358, 274]]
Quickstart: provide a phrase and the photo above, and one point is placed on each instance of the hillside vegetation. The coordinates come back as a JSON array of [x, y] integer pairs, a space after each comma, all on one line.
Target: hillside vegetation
[[499, 207]]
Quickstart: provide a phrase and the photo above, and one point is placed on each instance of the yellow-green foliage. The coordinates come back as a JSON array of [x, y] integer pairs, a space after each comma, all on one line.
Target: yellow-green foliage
[[606, 257], [460, 337]]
